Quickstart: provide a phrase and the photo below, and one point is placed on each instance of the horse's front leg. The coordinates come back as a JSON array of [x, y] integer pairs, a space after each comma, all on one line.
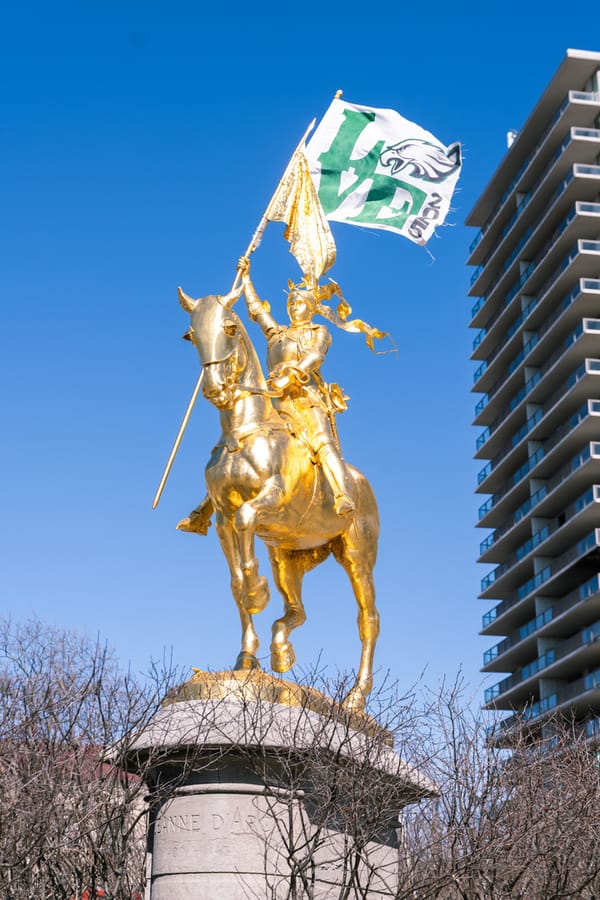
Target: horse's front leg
[[249, 516], [229, 543], [289, 567]]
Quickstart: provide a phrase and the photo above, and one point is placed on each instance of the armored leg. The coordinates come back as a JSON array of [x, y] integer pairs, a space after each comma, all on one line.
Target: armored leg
[[198, 521], [335, 473]]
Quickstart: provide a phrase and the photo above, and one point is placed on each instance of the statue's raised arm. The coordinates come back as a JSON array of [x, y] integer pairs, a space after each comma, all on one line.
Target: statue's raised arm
[[258, 310]]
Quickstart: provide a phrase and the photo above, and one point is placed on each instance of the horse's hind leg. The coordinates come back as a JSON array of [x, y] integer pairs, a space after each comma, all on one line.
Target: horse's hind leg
[[358, 559], [289, 567], [228, 538]]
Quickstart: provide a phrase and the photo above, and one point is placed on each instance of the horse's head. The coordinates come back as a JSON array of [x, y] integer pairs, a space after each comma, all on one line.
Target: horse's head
[[222, 344]]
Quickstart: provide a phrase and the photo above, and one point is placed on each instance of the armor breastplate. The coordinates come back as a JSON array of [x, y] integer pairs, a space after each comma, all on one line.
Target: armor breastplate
[[284, 346]]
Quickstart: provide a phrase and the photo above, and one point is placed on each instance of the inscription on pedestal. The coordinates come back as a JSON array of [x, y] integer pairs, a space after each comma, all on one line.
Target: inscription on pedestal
[[222, 831]]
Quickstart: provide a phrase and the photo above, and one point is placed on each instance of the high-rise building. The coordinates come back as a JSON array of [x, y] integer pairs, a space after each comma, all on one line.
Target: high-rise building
[[537, 315]]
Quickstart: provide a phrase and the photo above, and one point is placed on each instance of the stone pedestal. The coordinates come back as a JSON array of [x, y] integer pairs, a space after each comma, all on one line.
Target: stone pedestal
[[264, 790]]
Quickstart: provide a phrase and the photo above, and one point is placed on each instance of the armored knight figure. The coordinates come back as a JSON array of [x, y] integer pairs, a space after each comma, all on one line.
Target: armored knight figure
[[305, 402], [295, 353]]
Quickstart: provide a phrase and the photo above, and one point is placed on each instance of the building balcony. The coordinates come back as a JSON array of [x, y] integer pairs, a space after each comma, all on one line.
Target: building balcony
[[490, 548], [578, 698], [556, 577], [547, 576], [536, 213], [535, 282], [536, 288], [502, 291], [569, 656], [501, 732], [533, 316], [580, 222], [578, 148], [591, 728], [578, 517], [547, 501], [583, 382], [577, 607], [578, 109], [547, 458], [582, 301], [505, 394]]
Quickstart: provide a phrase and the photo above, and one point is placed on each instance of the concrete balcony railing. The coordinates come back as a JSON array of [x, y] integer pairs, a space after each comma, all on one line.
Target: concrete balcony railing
[[571, 97], [583, 548], [589, 451], [575, 598], [588, 367], [583, 502], [582, 245], [575, 134], [591, 408], [575, 691], [584, 638]]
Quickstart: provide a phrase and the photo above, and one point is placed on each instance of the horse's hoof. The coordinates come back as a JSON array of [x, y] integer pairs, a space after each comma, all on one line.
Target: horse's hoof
[[256, 600], [355, 701], [246, 661], [282, 657]]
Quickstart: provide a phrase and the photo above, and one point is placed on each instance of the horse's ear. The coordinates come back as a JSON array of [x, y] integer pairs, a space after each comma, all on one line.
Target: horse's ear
[[232, 297], [186, 302]]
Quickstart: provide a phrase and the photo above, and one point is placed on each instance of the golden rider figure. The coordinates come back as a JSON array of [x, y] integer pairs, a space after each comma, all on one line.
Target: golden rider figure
[[295, 354]]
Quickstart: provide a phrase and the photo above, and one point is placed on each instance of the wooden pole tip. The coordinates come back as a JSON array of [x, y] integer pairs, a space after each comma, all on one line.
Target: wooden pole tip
[[338, 94]]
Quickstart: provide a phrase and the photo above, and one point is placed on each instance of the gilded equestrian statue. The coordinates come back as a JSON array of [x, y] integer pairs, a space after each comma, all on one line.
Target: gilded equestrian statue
[[277, 472]]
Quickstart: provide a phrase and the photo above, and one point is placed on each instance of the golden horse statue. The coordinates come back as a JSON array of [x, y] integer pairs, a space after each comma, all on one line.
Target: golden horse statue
[[262, 480]]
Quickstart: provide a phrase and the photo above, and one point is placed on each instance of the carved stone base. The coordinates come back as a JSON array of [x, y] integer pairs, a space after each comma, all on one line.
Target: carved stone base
[[242, 765]]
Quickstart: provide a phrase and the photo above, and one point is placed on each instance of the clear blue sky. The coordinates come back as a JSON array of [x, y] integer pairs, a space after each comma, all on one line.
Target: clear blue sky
[[140, 145]]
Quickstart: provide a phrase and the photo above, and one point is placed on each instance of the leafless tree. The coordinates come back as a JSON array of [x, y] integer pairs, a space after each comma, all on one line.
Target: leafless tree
[[517, 822], [345, 830], [70, 821]]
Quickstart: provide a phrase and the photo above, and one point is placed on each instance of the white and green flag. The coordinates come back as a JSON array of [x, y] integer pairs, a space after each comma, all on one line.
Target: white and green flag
[[374, 168]]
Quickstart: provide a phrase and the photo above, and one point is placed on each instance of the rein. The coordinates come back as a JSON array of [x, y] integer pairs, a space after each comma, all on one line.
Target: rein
[[249, 389]]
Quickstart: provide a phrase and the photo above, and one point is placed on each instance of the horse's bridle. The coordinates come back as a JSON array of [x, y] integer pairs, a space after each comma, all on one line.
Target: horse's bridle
[[243, 389]]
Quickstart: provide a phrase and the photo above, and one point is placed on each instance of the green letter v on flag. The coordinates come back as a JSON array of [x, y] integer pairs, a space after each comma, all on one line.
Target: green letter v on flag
[[374, 168]]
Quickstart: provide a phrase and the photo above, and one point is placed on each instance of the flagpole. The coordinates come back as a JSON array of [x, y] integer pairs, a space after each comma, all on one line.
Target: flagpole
[[252, 246]]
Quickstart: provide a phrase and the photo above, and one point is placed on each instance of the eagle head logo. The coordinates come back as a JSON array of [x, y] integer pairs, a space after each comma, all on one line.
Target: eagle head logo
[[421, 159]]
